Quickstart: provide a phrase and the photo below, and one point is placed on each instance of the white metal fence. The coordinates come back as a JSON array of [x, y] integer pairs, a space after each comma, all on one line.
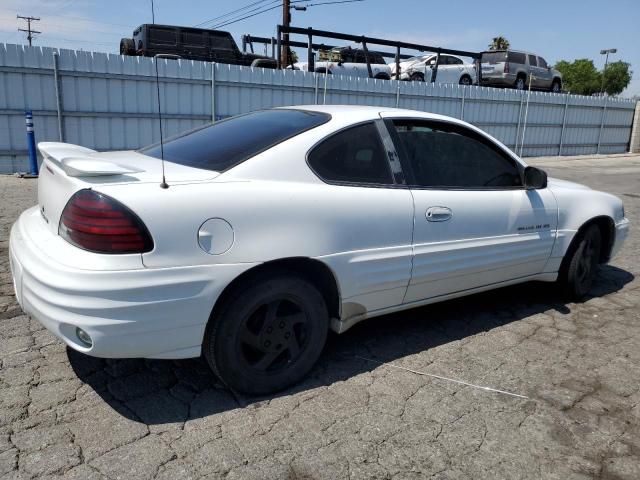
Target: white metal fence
[[108, 102]]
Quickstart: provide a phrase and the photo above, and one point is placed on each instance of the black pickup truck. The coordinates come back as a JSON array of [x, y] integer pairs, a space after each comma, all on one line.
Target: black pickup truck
[[189, 43]]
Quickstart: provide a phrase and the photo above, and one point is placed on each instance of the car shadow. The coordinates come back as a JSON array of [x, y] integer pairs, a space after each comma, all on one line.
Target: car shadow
[[168, 391]]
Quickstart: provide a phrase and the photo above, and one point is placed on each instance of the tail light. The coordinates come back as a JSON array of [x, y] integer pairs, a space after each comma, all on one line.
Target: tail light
[[98, 223], [506, 66]]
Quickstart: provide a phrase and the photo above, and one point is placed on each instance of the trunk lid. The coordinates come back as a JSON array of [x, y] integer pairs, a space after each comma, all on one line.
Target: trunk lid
[[67, 168]]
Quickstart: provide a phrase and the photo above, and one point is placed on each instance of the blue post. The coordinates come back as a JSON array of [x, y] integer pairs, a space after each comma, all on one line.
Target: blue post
[[31, 144]]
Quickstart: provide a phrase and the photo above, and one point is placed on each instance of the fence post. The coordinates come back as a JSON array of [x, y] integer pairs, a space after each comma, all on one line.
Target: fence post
[[464, 93], [56, 80], [515, 147], [398, 94], [564, 121], [213, 92], [634, 144], [316, 88], [604, 114]]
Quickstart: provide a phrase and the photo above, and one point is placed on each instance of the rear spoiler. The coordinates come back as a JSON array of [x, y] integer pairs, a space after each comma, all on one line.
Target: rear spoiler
[[77, 161]]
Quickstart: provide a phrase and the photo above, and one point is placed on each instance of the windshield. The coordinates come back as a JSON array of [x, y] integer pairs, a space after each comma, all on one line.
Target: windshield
[[225, 144]]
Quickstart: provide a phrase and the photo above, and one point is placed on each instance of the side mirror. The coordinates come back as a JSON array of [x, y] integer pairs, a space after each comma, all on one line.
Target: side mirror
[[534, 178]]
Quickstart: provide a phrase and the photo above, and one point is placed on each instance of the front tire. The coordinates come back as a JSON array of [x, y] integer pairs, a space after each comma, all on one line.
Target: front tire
[[556, 86], [416, 77], [267, 335], [581, 263]]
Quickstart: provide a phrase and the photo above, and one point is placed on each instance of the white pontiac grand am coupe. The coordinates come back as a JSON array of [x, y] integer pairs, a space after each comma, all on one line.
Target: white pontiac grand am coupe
[[280, 224]]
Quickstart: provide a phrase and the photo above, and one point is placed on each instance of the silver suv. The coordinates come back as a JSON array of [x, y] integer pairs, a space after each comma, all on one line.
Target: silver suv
[[511, 68]]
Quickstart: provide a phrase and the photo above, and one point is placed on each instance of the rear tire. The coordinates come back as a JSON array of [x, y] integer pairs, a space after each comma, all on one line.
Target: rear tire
[[521, 83], [465, 80], [267, 335], [580, 264]]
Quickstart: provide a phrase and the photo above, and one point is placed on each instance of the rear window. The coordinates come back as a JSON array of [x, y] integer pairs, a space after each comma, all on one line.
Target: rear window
[[494, 57], [227, 143]]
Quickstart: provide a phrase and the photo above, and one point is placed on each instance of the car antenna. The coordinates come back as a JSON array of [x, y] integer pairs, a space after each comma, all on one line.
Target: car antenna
[[163, 184]]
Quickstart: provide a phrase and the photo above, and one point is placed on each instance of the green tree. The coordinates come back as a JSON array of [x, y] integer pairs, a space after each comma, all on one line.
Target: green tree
[[580, 76], [617, 77], [499, 43]]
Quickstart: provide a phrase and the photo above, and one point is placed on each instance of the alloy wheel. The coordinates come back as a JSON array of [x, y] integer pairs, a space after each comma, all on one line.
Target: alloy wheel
[[273, 335]]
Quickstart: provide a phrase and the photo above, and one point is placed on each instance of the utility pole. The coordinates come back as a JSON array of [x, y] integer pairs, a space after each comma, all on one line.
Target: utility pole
[[286, 21], [28, 31]]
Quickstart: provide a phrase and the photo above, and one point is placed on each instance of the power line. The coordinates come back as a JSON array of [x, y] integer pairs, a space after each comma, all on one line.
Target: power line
[[231, 13], [29, 31], [248, 16], [278, 6], [326, 3]]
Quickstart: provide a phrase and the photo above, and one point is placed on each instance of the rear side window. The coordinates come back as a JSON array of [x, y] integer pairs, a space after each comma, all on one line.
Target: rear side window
[[164, 36], [354, 155], [516, 57], [193, 38], [225, 144], [444, 156]]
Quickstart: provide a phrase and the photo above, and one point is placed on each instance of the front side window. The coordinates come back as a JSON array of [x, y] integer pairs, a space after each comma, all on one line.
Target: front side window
[[450, 156], [225, 144], [221, 42], [355, 155], [532, 61], [542, 62]]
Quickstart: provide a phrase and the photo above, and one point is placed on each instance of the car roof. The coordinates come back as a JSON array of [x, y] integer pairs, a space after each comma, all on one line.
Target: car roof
[[353, 113]]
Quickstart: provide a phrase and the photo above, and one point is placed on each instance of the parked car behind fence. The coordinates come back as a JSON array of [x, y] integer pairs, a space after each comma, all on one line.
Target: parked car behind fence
[[511, 68], [451, 69], [349, 61]]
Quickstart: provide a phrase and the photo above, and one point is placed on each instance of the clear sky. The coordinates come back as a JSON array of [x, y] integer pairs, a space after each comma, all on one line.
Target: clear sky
[[555, 29]]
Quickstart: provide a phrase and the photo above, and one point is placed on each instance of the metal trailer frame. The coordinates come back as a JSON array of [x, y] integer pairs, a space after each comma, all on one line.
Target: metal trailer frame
[[248, 41], [361, 39]]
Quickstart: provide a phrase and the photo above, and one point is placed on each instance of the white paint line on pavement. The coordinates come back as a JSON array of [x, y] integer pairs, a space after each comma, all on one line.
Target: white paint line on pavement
[[440, 377]]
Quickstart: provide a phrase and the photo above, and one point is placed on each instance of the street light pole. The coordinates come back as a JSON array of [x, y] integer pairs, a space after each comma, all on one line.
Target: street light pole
[[606, 61]]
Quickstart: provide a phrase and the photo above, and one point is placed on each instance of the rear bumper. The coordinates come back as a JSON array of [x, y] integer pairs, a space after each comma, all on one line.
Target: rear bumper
[[502, 79], [152, 313]]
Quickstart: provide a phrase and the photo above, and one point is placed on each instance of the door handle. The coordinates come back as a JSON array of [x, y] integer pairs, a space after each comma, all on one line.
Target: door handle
[[438, 214]]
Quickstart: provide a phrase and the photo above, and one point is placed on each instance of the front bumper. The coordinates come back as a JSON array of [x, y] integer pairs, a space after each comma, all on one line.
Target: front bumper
[[145, 312], [621, 234]]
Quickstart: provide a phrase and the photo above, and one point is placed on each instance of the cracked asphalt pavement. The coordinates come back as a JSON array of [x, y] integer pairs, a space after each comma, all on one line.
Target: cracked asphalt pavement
[[66, 415]]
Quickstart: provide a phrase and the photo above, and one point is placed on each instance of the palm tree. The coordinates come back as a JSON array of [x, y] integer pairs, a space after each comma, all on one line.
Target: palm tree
[[499, 43]]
